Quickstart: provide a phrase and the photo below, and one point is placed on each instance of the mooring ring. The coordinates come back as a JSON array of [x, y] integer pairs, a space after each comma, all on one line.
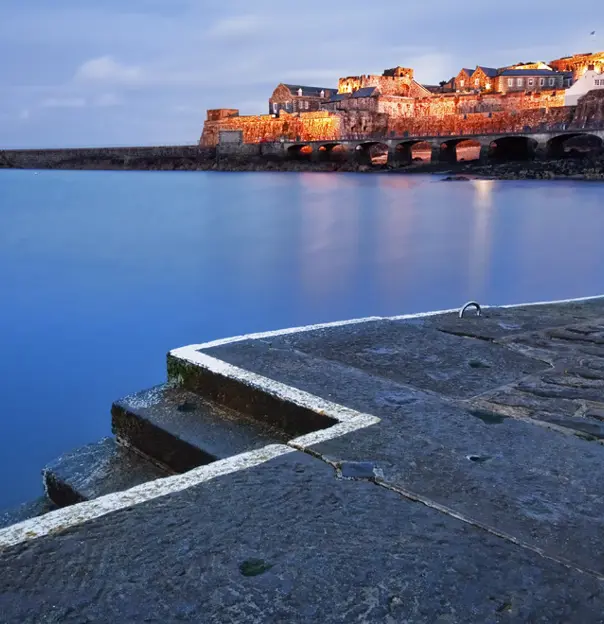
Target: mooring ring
[[471, 304]]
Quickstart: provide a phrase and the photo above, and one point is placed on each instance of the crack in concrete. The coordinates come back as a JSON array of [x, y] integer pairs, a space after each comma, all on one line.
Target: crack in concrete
[[418, 498]]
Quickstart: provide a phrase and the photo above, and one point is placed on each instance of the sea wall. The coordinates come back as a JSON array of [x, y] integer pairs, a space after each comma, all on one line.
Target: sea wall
[[153, 157]]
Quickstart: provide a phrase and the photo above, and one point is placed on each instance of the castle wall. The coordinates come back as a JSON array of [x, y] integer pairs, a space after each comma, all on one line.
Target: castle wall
[[266, 128], [387, 85]]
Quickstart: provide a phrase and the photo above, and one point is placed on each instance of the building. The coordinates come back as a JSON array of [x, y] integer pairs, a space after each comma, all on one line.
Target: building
[[578, 64], [532, 80], [484, 78], [591, 80], [537, 65], [298, 98], [463, 80]]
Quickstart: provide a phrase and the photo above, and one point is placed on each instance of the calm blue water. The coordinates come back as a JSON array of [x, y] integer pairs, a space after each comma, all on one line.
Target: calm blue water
[[101, 273]]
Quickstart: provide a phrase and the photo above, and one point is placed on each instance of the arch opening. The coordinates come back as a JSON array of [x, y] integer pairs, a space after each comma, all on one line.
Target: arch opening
[[575, 145], [513, 148], [372, 153], [299, 152]]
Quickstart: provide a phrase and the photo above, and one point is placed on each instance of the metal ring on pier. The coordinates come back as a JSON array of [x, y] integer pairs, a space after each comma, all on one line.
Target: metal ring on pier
[[471, 304]]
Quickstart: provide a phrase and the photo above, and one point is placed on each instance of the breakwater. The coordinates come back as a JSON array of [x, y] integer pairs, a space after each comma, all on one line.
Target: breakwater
[[144, 158], [243, 157]]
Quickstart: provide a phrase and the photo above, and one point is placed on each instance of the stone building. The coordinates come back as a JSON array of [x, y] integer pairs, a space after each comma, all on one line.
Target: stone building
[[396, 81], [578, 64], [463, 80], [298, 98], [484, 78], [532, 80]]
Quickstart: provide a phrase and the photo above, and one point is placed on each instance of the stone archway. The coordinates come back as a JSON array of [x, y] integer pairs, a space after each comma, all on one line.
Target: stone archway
[[374, 153], [574, 145], [513, 148]]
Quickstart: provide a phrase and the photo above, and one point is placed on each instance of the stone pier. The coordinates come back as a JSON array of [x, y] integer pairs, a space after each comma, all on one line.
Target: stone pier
[[424, 468]]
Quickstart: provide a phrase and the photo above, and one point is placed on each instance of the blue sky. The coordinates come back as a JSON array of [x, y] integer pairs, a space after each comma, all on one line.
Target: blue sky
[[115, 72]]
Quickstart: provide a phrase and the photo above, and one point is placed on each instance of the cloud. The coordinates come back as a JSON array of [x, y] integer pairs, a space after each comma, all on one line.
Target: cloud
[[105, 69], [107, 99], [73, 102], [24, 114], [235, 26]]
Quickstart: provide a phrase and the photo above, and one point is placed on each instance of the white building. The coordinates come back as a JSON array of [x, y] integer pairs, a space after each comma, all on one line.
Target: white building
[[588, 82]]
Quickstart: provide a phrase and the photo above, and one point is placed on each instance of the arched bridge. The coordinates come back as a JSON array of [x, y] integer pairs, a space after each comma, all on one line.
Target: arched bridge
[[400, 150]]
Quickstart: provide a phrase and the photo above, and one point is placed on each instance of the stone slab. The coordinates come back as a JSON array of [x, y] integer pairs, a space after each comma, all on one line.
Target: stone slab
[[500, 323], [96, 470], [182, 430], [428, 359], [541, 486], [290, 542]]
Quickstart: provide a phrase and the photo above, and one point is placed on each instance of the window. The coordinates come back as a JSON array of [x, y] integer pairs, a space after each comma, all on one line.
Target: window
[[462, 83], [531, 82], [322, 93], [275, 108], [477, 82], [552, 82], [300, 92], [488, 86], [510, 82], [306, 104], [519, 82], [541, 82]]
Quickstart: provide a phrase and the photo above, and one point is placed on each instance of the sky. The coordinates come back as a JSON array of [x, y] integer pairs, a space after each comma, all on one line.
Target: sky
[[143, 72]]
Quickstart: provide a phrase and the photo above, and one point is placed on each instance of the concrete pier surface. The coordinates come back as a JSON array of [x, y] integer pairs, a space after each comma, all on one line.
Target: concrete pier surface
[[415, 469]]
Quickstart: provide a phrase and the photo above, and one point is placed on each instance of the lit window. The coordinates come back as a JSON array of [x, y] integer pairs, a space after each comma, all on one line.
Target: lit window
[[477, 82], [488, 86], [322, 93], [510, 82], [462, 83], [519, 82], [300, 91], [552, 82]]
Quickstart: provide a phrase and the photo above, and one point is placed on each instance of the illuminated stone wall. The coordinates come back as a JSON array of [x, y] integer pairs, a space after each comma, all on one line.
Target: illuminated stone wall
[[480, 123], [368, 117], [387, 85], [579, 63], [266, 128]]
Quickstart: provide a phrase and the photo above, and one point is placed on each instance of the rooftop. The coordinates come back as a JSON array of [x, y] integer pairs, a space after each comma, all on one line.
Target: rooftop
[[310, 91], [531, 72]]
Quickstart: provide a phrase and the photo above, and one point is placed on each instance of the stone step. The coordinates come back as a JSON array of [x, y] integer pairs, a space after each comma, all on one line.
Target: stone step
[[95, 470], [181, 430], [259, 404]]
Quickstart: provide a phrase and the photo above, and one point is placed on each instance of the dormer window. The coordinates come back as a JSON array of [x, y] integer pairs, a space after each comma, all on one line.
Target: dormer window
[[300, 92], [322, 93]]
